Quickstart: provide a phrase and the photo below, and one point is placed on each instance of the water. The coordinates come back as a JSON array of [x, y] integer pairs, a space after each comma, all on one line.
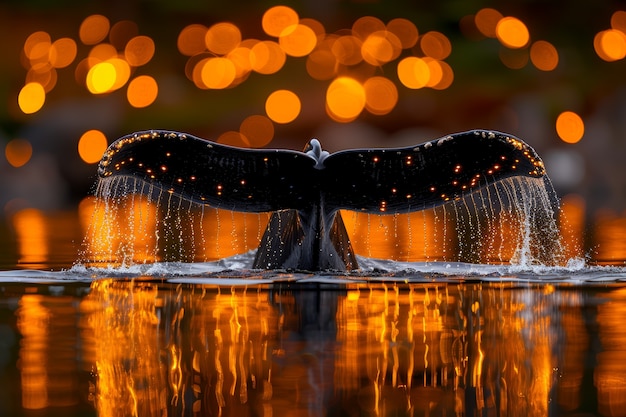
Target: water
[[132, 330]]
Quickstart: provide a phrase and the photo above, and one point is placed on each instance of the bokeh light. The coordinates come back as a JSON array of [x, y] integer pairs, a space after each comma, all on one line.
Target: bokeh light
[[267, 57], [278, 18], [218, 73], [347, 50], [413, 72], [380, 47], [610, 44], [234, 138], [512, 32], [405, 30], [570, 127], [366, 25], [259, 130], [618, 20], [514, 58], [139, 51], [94, 29], [221, 38], [101, 78], [297, 40], [31, 98], [345, 99], [62, 52], [122, 32], [435, 45], [191, 40], [142, 91], [18, 152], [283, 106], [486, 21], [91, 146], [381, 95], [544, 55]]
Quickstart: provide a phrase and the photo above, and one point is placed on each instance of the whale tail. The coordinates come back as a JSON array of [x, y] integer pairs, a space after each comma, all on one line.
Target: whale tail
[[306, 190]]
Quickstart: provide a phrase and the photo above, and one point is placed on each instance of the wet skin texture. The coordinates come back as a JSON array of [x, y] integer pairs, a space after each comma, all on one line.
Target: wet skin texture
[[305, 190]]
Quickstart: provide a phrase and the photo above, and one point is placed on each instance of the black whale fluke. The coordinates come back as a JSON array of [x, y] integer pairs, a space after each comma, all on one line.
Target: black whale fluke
[[305, 190]]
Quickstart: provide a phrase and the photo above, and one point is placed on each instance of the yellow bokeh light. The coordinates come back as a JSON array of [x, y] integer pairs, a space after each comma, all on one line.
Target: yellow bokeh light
[[435, 45], [31, 98], [297, 40], [486, 21], [283, 106], [101, 78], [221, 38], [62, 52], [259, 130], [139, 51], [218, 73], [91, 146], [267, 57], [277, 18], [345, 98], [191, 40], [610, 45], [18, 152], [512, 32], [544, 55], [405, 30], [413, 72], [570, 127], [381, 95], [93, 29], [142, 91]]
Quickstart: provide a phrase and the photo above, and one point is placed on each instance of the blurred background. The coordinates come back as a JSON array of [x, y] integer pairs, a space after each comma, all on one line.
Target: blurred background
[[77, 75]]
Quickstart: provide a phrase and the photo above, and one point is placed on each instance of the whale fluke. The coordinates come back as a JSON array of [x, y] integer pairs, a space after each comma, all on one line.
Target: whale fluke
[[305, 190]]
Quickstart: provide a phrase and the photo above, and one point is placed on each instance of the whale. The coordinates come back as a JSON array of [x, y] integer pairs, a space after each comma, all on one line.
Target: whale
[[305, 190]]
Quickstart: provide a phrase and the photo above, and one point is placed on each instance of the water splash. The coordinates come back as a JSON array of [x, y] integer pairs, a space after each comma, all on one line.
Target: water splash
[[512, 222]]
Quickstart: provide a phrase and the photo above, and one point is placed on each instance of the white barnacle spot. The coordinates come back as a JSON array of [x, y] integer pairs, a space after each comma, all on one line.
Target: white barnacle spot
[[154, 134], [172, 135], [416, 149], [491, 135], [428, 145], [483, 134], [171, 191], [208, 145]]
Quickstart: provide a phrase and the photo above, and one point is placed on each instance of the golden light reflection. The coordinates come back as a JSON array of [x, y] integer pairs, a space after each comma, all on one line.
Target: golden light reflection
[[345, 98], [572, 219], [610, 238], [32, 238], [610, 44]]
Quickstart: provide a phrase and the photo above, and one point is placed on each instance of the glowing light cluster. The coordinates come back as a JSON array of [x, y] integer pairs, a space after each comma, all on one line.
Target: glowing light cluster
[[610, 44], [220, 57], [517, 46], [107, 67]]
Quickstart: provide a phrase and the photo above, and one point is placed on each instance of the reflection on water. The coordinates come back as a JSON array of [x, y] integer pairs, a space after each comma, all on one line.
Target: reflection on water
[[140, 347]]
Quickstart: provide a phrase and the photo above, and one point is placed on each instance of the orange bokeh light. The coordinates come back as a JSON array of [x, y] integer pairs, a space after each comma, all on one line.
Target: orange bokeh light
[[93, 29], [221, 38], [435, 45], [345, 99], [405, 30], [62, 52], [381, 95], [267, 57], [139, 51], [31, 98], [91, 146], [486, 21], [610, 45], [366, 25], [18, 152], [278, 18], [297, 40], [570, 127], [142, 91], [512, 32], [217, 73], [544, 55], [283, 106], [191, 40], [380, 47], [259, 130], [413, 72]]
